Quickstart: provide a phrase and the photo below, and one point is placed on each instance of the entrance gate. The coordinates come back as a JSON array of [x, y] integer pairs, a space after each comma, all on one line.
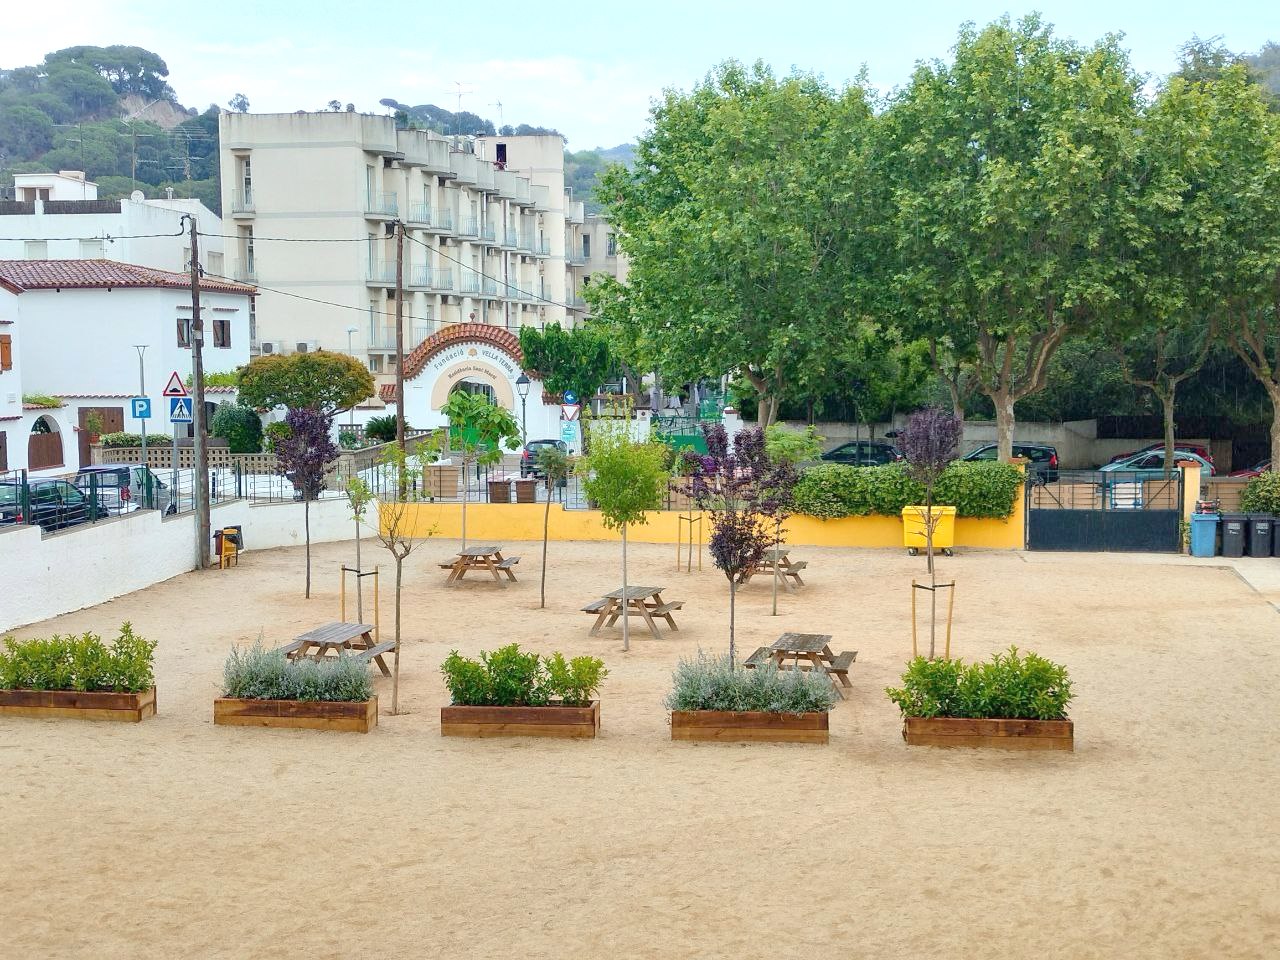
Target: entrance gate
[[1106, 510]]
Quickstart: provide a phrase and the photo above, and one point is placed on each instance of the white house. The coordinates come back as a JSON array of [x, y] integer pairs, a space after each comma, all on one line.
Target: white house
[[70, 330], [59, 216]]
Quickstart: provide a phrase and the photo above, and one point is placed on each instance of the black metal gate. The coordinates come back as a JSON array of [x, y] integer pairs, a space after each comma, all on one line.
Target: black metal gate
[[1105, 510]]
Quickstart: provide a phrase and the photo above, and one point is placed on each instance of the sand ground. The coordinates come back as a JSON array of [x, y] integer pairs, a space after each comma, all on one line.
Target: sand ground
[[1156, 838]]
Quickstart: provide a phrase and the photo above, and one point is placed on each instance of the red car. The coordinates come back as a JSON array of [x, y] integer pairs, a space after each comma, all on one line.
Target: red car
[[1260, 467], [1198, 449]]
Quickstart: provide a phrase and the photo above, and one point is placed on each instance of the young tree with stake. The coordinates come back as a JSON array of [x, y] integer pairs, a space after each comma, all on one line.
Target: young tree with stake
[[555, 465], [305, 456], [479, 430]]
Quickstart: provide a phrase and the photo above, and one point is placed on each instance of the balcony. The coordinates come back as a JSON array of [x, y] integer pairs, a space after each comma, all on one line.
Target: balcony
[[442, 220], [508, 239], [484, 177], [521, 192], [526, 243], [440, 280], [384, 338], [469, 227], [470, 282], [464, 167], [381, 273], [575, 258], [489, 233], [541, 197], [489, 287], [242, 205], [244, 272], [577, 304], [382, 206], [419, 215], [542, 247], [574, 211]]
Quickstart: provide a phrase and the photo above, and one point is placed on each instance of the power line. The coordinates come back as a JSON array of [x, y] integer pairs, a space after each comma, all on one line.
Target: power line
[[134, 236]]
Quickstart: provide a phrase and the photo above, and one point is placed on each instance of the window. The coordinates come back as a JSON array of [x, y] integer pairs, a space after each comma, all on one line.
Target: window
[[221, 334], [4, 450], [611, 245], [249, 263], [253, 320], [184, 332], [91, 250], [586, 246], [35, 250], [186, 258], [215, 264], [6, 352], [502, 156], [375, 363], [246, 173]]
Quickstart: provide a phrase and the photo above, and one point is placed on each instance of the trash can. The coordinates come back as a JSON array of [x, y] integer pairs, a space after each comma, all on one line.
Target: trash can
[[1233, 534], [237, 534], [499, 491], [527, 490], [944, 535], [1259, 534], [1204, 534], [1275, 536]]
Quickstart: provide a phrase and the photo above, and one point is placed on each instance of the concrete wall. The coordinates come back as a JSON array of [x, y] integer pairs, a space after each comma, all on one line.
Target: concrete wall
[[43, 576]]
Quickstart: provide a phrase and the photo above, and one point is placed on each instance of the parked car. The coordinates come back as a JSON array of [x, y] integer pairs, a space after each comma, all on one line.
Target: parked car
[[529, 455], [1043, 458], [1261, 467], [51, 504], [1198, 449], [1151, 464], [864, 453], [123, 487]]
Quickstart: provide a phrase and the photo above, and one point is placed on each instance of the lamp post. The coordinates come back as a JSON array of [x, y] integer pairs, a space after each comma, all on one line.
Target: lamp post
[[522, 387], [351, 414]]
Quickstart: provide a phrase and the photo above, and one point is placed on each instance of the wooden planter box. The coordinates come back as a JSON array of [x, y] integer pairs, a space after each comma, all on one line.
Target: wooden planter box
[[359, 716], [123, 707], [573, 722], [750, 726], [1003, 734]]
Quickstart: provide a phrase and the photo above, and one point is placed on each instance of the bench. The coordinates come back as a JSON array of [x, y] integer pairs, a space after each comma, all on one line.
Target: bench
[[291, 647], [841, 662], [662, 609], [761, 656], [369, 654], [799, 565], [595, 606], [447, 564], [508, 563]]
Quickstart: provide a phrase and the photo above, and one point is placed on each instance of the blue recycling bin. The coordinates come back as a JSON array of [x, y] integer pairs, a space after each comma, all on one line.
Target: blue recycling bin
[[1204, 534]]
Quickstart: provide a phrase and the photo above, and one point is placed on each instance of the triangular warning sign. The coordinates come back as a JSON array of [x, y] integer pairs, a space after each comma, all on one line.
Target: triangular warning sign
[[175, 387]]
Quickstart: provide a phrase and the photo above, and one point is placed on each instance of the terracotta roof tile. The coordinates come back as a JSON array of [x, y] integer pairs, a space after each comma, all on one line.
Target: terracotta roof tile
[[442, 339], [87, 274]]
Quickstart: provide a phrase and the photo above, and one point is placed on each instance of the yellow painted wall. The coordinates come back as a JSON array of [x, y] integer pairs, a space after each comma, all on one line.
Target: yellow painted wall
[[523, 521]]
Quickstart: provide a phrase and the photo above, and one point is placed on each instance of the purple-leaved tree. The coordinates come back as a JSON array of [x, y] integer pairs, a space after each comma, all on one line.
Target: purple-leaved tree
[[304, 457], [744, 491], [929, 442]]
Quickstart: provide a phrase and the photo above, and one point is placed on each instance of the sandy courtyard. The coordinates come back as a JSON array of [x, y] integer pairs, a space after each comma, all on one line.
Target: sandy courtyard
[[1156, 838]]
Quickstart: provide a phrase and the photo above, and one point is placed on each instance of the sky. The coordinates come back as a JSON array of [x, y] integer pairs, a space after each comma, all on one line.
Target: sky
[[589, 70]]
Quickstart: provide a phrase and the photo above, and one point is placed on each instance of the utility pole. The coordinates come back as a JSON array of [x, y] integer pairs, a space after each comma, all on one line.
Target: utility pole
[[400, 336], [197, 407], [142, 392]]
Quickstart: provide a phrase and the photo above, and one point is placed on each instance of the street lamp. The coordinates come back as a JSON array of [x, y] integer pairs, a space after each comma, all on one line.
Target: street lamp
[[351, 417], [522, 388]]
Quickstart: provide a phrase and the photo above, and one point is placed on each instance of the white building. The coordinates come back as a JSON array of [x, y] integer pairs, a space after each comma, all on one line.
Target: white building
[[58, 216], [69, 329]]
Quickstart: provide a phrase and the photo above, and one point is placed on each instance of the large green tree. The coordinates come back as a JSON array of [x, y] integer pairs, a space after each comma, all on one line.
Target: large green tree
[[323, 381], [738, 219], [1010, 199], [576, 359]]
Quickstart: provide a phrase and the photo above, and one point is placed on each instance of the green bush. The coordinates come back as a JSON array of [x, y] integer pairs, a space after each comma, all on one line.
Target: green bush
[[1261, 494], [260, 674], [272, 433], [713, 683], [239, 425], [382, 429], [509, 678], [347, 440], [116, 440], [1008, 687], [832, 490], [82, 663]]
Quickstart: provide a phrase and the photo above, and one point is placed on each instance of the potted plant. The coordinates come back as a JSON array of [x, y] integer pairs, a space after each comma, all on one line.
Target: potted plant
[[509, 693], [1013, 702], [79, 677], [263, 688], [711, 699]]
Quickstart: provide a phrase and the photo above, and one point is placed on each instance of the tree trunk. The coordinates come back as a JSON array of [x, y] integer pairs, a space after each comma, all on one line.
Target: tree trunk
[[733, 596], [777, 545], [306, 526], [626, 634], [395, 669], [1275, 427], [359, 579], [1166, 401], [546, 522], [762, 411], [466, 486], [1003, 401]]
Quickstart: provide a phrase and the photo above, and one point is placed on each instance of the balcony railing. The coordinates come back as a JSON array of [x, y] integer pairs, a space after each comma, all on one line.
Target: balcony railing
[[542, 247], [577, 303], [420, 213], [470, 281], [433, 279], [382, 273], [526, 242], [489, 233], [442, 219], [244, 272], [489, 287], [574, 211], [575, 258], [384, 338], [468, 227], [509, 238], [382, 205], [242, 203]]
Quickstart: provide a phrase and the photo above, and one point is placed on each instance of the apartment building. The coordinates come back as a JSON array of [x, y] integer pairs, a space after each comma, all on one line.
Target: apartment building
[[58, 216], [598, 245], [312, 200]]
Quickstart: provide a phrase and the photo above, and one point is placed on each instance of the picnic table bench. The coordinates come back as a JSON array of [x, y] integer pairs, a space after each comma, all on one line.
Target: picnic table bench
[[480, 558], [333, 638], [788, 570], [807, 651], [644, 602]]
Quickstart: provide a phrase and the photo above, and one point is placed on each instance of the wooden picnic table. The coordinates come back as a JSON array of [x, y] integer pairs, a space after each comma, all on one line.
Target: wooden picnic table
[[788, 569], [487, 557], [644, 602], [807, 651], [330, 639]]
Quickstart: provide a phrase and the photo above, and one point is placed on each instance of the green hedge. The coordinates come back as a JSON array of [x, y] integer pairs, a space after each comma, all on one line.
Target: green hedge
[[117, 440], [833, 490], [1261, 494], [79, 663], [1008, 687]]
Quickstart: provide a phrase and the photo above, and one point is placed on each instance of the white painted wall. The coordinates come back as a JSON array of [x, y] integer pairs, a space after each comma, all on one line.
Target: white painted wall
[[42, 577]]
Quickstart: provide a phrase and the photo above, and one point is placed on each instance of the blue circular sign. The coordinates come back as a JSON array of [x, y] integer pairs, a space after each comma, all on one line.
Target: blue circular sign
[[570, 397]]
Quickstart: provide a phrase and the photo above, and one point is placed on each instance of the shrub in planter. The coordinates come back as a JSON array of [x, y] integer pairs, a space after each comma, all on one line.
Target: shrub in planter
[[1261, 494], [382, 429], [115, 441], [79, 676], [513, 693], [1016, 701], [264, 688], [979, 489], [711, 699]]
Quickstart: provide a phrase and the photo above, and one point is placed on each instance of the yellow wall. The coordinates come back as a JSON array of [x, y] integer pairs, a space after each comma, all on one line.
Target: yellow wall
[[523, 521]]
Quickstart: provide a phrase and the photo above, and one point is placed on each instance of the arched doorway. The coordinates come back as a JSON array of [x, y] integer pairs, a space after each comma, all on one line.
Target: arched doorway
[[44, 445], [474, 386]]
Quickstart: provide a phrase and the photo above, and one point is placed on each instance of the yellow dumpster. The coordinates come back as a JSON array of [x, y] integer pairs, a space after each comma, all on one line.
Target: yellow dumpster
[[944, 534]]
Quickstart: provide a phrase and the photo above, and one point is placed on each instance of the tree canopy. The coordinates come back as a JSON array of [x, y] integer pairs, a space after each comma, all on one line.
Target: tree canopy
[[319, 380], [576, 359]]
